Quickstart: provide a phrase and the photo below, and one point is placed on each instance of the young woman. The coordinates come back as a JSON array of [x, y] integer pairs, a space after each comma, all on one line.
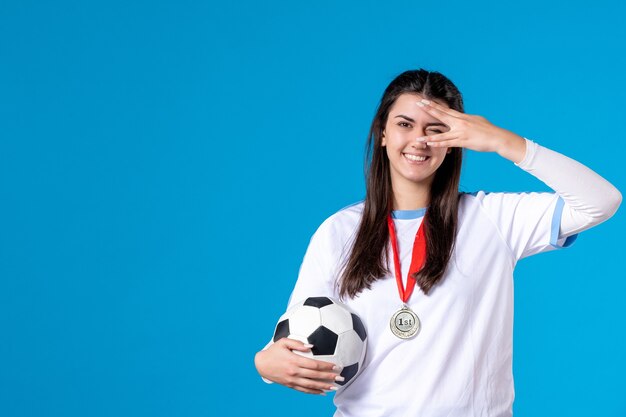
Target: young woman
[[444, 349]]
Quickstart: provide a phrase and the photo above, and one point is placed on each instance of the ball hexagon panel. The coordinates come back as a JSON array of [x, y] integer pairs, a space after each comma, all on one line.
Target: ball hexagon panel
[[350, 348], [304, 320], [336, 318]]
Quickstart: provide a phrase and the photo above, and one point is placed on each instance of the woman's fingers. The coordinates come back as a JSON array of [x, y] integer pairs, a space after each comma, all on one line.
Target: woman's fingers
[[437, 109], [295, 344], [314, 369], [306, 374], [310, 391], [322, 376], [444, 118], [304, 388], [468, 131], [442, 140], [315, 364], [312, 384], [450, 143], [438, 137]]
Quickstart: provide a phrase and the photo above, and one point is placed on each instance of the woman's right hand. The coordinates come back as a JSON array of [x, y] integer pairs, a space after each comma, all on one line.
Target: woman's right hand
[[279, 364]]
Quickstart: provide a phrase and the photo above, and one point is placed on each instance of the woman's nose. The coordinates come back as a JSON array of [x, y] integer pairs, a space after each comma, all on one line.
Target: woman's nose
[[420, 145]]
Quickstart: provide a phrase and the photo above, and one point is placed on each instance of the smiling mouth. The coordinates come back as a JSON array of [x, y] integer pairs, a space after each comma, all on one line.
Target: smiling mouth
[[415, 158]]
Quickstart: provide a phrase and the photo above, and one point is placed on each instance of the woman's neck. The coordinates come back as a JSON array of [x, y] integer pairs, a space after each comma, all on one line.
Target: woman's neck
[[410, 196]]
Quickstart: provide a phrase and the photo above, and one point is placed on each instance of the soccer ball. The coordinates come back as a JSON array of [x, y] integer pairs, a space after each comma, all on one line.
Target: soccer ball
[[336, 333]]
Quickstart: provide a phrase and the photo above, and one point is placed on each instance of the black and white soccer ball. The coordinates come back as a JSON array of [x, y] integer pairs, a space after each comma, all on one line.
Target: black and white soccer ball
[[335, 331]]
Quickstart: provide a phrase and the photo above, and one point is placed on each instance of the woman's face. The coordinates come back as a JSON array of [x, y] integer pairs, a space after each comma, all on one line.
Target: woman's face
[[406, 122]]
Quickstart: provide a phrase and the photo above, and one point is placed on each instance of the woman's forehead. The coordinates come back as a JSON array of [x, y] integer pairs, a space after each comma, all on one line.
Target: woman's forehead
[[406, 105]]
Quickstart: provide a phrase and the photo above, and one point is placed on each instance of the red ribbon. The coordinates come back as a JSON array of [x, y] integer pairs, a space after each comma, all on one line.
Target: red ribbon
[[418, 258]]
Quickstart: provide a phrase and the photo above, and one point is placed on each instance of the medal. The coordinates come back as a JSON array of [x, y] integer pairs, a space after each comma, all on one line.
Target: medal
[[404, 323]]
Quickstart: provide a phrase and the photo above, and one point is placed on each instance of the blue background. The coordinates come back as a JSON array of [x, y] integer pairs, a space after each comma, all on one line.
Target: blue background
[[163, 166]]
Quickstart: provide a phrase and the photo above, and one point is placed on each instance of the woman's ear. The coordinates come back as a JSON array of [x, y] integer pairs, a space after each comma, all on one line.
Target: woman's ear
[[383, 141]]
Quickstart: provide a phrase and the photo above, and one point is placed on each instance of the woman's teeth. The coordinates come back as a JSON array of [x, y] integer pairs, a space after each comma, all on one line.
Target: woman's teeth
[[416, 158]]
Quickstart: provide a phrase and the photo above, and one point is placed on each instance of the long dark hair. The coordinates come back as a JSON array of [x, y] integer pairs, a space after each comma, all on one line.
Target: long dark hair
[[368, 258]]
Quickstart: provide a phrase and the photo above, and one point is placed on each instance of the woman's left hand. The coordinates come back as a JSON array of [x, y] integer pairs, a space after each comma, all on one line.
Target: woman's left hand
[[472, 132]]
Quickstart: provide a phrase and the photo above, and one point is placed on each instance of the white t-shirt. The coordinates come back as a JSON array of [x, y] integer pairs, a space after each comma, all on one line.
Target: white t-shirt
[[460, 363]]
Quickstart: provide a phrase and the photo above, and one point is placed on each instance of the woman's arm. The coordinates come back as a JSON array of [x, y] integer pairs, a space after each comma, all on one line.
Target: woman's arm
[[589, 199], [277, 362]]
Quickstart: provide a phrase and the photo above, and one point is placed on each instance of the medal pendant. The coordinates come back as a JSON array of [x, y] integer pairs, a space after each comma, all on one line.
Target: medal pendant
[[405, 323]]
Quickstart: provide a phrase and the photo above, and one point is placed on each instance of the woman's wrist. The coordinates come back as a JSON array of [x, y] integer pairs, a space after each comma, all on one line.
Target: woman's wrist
[[512, 147], [258, 364]]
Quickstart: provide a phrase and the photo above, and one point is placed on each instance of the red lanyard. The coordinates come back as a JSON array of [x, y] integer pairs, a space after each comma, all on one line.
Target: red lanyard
[[418, 258]]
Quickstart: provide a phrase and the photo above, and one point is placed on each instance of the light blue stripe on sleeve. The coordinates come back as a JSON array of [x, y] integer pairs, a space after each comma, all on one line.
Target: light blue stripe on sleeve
[[556, 222]]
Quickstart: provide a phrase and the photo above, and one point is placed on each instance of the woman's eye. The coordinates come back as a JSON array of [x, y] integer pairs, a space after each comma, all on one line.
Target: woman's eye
[[437, 131], [404, 123]]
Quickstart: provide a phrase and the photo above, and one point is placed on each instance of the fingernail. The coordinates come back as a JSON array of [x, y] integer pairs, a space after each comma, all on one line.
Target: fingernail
[[323, 393], [337, 367], [308, 345], [334, 388], [420, 104], [420, 139], [425, 101], [339, 378]]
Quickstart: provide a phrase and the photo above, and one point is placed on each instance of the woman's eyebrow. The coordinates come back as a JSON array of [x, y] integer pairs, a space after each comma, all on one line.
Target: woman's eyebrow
[[427, 124]]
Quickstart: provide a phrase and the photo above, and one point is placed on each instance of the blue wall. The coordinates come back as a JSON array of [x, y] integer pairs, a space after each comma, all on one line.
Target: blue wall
[[164, 164]]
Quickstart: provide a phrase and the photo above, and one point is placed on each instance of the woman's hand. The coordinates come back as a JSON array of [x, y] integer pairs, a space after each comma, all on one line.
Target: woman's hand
[[472, 132], [279, 364]]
